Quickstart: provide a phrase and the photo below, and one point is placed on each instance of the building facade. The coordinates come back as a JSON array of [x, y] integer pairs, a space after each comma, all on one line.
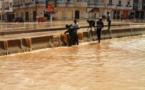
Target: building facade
[[117, 8], [32, 10], [29, 10], [139, 9], [6, 10], [71, 9]]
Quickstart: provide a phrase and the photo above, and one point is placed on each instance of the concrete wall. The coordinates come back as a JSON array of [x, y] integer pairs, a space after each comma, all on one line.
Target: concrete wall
[[40, 42]]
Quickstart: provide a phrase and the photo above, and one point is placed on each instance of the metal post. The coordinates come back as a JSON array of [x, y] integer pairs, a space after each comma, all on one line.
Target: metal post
[[36, 10], [51, 13], [51, 17], [2, 11]]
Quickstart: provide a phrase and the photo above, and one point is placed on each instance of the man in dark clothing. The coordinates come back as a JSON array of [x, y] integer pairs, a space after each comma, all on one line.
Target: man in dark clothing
[[109, 20], [109, 24], [75, 27], [72, 31], [100, 25], [71, 34], [91, 27]]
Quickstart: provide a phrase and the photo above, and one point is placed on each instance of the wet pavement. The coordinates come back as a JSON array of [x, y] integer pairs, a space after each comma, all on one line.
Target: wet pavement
[[116, 64], [57, 33], [26, 26]]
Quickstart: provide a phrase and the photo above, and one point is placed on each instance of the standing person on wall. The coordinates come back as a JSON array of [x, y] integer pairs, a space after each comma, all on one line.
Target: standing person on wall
[[109, 20], [100, 25], [72, 32], [109, 23], [76, 27]]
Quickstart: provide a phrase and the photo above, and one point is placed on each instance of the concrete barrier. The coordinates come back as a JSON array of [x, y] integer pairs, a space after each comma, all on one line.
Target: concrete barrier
[[27, 44], [40, 42], [80, 36], [64, 39], [14, 46], [3, 47], [56, 41]]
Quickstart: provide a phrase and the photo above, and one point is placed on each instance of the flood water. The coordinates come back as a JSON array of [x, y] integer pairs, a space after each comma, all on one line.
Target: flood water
[[116, 64]]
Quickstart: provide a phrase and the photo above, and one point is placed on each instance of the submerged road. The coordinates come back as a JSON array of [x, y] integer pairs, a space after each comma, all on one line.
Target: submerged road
[[116, 64]]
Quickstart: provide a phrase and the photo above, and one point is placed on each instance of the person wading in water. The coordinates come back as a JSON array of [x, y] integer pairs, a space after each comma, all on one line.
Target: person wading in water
[[109, 20], [100, 25], [76, 27], [109, 23], [72, 31]]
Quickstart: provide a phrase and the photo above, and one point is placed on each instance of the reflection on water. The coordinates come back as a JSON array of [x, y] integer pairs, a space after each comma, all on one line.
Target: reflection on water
[[116, 64]]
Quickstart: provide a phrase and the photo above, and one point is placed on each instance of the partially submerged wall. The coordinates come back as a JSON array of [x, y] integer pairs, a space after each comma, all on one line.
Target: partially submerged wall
[[41, 42]]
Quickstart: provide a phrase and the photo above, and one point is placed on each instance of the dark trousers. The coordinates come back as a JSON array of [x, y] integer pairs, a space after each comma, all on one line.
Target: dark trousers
[[99, 34], [73, 39], [109, 25], [76, 40]]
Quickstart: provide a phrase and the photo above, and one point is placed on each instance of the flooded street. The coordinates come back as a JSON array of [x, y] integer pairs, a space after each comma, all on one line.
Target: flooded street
[[116, 64]]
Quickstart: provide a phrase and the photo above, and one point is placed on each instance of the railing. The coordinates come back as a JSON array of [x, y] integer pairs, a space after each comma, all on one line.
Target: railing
[[81, 4], [63, 4], [124, 7], [110, 5], [71, 4], [28, 4], [93, 5]]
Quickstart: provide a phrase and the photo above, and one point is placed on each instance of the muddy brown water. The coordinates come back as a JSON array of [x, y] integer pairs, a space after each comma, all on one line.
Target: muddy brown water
[[116, 64]]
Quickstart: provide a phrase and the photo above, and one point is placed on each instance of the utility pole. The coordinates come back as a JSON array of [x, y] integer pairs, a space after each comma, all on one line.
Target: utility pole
[[55, 3], [35, 14], [46, 2], [2, 11], [50, 8], [36, 10]]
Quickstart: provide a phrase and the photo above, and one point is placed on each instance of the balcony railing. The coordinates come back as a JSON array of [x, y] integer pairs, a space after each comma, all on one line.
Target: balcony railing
[[128, 5], [93, 5], [110, 4], [64, 4], [124, 7], [26, 5], [17, 5], [81, 4], [119, 5], [72, 4]]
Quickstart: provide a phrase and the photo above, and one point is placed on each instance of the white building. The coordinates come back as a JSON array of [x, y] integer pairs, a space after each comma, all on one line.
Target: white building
[[30, 10], [139, 9], [6, 10], [117, 8], [71, 9]]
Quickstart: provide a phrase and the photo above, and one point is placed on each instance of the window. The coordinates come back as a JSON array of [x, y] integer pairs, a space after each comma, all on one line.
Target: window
[[119, 3], [128, 4], [110, 3]]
